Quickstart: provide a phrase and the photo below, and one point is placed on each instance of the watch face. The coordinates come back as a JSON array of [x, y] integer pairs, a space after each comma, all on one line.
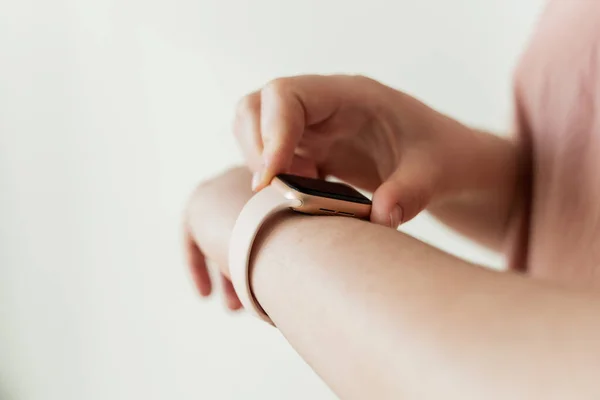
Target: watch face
[[322, 188]]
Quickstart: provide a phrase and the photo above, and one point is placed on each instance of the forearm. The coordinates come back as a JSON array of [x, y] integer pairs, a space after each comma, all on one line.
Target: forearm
[[478, 175], [486, 174], [381, 315]]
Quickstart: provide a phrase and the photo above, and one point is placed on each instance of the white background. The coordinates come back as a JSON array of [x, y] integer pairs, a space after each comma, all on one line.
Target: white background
[[111, 110]]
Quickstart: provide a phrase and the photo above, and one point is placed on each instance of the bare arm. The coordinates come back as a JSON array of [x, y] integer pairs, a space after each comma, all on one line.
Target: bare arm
[[380, 315], [380, 139], [479, 189], [493, 171]]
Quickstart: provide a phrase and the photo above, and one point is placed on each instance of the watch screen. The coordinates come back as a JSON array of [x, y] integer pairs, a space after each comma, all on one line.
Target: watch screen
[[319, 187]]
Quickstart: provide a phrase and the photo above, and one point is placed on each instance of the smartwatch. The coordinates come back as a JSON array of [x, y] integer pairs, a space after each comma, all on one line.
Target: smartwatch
[[300, 194]]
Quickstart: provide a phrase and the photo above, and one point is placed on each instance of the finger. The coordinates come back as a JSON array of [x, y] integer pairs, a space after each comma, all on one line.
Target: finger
[[231, 299], [246, 129], [197, 265], [405, 193], [288, 106], [350, 163], [304, 167]]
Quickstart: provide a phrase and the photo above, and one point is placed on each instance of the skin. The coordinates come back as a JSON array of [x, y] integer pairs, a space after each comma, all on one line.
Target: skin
[[384, 141], [349, 294], [379, 139], [378, 314]]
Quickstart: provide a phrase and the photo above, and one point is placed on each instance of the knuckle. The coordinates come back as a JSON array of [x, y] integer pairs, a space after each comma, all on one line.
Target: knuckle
[[190, 206], [195, 195], [369, 85], [246, 108], [238, 131], [248, 104], [277, 86], [363, 79]]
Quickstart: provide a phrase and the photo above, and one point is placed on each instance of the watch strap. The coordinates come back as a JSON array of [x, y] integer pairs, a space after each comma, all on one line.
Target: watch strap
[[255, 213]]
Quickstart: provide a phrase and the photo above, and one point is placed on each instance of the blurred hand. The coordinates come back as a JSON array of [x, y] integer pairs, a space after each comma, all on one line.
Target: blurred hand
[[350, 127], [209, 219]]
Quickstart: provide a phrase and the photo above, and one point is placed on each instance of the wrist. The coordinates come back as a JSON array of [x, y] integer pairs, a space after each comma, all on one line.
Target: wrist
[[268, 254], [479, 161], [292, 246], [460, 160]]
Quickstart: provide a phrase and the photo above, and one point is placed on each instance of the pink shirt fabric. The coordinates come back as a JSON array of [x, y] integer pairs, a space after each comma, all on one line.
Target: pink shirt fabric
[[557, 93]]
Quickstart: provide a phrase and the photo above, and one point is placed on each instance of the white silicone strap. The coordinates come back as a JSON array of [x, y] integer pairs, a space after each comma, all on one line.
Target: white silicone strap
[[258, 209]]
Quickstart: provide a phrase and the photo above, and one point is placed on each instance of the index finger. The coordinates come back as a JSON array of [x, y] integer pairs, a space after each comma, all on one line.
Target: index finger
[[288, 106]]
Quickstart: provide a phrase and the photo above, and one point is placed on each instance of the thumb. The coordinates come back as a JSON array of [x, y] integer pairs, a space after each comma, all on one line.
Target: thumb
[[404, 194]]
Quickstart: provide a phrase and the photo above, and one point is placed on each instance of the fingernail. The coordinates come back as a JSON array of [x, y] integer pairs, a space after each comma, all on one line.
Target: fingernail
[[256, 178], [231, 304], [396, 216], [204, 291], [235, 305], [205, 288]]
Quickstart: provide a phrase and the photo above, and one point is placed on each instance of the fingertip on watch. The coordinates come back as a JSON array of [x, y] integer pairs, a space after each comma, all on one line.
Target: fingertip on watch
[[258, 180], [267, 171], [255, 181], [261, 179]]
